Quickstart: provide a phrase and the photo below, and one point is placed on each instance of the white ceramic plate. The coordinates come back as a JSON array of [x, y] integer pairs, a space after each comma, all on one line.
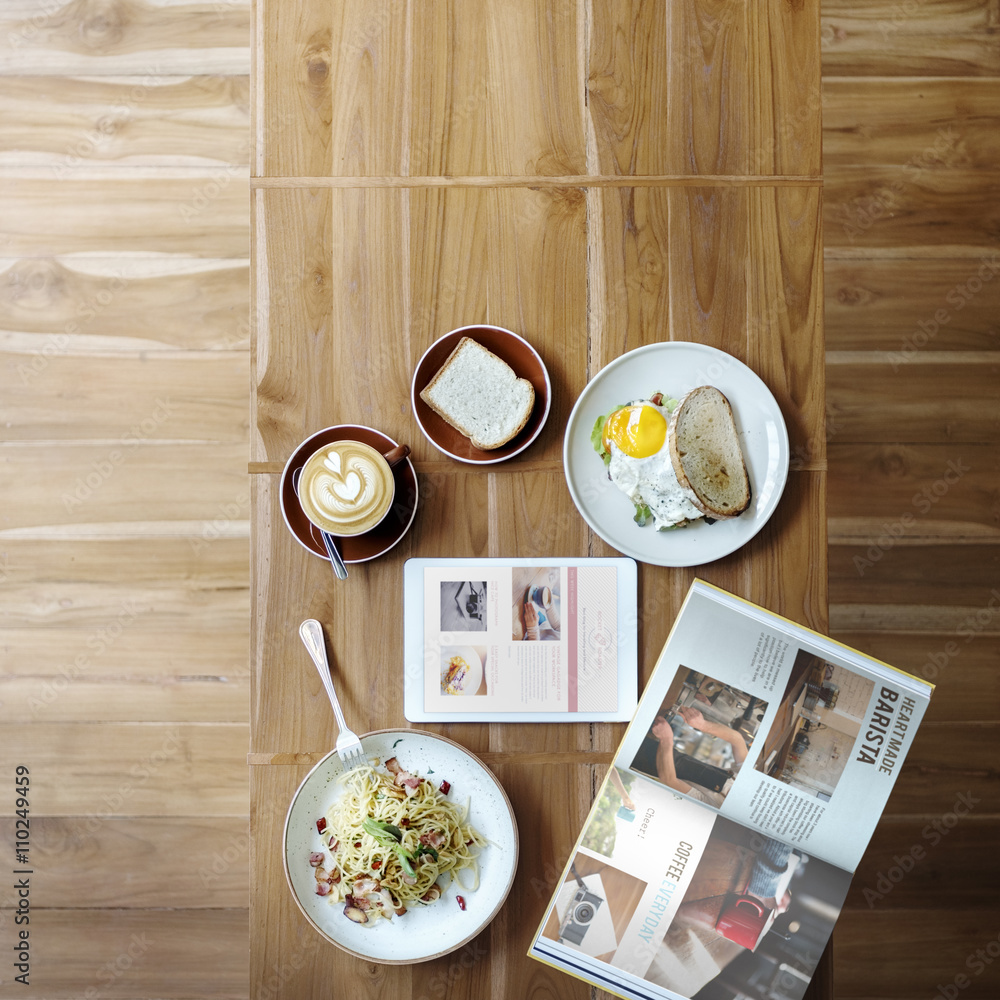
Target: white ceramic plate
[[474, 677], [674, 368], [424, 932]]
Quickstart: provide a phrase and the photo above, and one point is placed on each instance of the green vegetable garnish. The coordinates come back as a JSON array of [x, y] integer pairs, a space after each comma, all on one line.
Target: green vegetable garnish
[[390, 836], [642, 514], [597, 438]]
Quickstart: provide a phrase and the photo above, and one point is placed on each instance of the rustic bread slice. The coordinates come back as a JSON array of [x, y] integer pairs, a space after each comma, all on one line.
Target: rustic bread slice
[[480, 395], [706, 455]]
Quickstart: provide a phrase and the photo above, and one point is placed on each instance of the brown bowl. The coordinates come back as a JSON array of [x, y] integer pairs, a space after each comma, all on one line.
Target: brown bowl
[[354, 548], [520, 355]]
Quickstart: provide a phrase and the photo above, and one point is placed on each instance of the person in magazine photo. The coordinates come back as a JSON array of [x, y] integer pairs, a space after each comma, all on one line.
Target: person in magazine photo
[[700, 737]]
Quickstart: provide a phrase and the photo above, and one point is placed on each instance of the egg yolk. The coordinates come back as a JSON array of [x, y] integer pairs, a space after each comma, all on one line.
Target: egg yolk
[[639, 431]]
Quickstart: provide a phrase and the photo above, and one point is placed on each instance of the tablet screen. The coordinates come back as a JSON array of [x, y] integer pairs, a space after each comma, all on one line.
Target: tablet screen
[[534, 640]]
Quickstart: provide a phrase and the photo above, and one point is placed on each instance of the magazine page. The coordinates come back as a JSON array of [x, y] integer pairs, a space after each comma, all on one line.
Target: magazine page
[[777, 727], [664, 897], [502, 638]]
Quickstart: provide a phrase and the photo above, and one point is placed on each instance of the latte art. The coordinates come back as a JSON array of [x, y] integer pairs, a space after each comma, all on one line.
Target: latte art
[[346, 488]]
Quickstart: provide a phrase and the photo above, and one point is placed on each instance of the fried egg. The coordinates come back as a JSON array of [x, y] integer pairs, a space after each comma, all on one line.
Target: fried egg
[[637, 438]]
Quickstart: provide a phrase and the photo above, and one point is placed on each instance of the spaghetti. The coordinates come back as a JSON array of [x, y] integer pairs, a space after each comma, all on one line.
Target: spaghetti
[[392, 836]]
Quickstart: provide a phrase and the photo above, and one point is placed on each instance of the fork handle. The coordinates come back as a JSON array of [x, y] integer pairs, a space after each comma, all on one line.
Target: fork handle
[[311, 633]]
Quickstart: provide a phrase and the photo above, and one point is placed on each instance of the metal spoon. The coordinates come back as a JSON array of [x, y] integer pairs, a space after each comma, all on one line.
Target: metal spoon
[[335, 557]]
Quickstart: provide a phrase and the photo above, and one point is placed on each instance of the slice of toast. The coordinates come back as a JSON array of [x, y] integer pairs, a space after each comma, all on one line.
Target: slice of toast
[[480, 395], [706, 455]]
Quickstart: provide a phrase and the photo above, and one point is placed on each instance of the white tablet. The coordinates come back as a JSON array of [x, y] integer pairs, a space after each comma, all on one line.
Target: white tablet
[[520, 640]]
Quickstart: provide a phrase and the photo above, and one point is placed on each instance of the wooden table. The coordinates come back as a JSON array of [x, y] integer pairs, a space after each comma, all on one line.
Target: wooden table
[[595, 175]]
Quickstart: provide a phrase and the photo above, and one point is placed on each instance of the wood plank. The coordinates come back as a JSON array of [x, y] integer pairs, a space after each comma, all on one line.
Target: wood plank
[[450, 92], [126, 488], [952, 211], [942, 402], [944, 762], [893, 38], [940, 850], [934, 575], [913, 953], [155, 580], [86, 696], [65, 124], [627, 87], [707, 253], [784, 311], [96, 770], [323, 73], [912, 307], [186, 862], [913, 492], [126, 953], [967, 673], [132, 405], [196, 216], [153, 37], [533, 56], [118, 648], [784, 89], [54, 305], [917, 123], [707, 89]]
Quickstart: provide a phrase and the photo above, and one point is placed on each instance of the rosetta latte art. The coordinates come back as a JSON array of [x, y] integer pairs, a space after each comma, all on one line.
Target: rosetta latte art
[[346, 488]]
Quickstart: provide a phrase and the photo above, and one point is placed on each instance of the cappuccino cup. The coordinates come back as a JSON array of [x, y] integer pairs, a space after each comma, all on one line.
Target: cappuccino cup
[[347, 487]]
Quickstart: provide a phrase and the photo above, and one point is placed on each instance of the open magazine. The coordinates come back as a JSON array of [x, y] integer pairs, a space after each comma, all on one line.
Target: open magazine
[[719, 850]]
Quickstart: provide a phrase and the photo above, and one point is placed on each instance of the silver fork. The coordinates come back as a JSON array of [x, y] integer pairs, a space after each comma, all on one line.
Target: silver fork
[[348, 745]]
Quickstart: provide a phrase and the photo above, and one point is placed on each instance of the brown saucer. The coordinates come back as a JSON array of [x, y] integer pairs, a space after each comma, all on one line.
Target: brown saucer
[[356, 548], [520, 355]]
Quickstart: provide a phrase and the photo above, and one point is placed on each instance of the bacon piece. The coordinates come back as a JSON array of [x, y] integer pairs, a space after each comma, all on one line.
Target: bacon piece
[[445, 787], [355, 914], [323, 889], [321, 824], [392, 766], [315, 859], [433, 838]]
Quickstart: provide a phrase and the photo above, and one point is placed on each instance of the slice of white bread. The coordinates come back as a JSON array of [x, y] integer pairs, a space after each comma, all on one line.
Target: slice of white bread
[[480, 395], [706, 455]]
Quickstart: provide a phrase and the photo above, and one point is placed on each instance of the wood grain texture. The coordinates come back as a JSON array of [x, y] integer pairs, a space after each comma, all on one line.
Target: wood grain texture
[[892, 305], [878, 954], [890, 38], [67, 125], [184, 400], [917, 492], [190, 862], [55, 306], [118, 37], [128, 953], [929, 398], [195, 216], [917, 123], [130, 769]]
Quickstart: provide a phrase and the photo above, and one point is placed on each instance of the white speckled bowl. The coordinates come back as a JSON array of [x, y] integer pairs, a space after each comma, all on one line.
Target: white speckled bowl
[[424, 932]]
